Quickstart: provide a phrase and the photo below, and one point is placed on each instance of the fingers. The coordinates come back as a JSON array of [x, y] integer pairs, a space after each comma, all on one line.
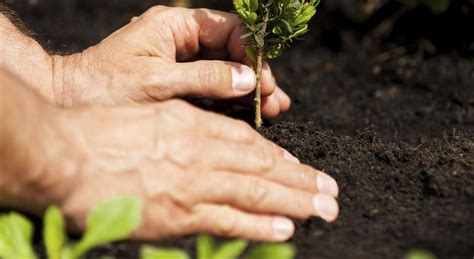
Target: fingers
[[270, 106], [283, 99], [268, 81], [214, 125], [275, 104], [211, 79], [255, 194], [230, 222], [220, 30], [303, 177], [213, 30]]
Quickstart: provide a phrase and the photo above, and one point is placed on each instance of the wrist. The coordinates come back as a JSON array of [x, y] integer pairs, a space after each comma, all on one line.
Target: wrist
[[71, 80], [35, 169]]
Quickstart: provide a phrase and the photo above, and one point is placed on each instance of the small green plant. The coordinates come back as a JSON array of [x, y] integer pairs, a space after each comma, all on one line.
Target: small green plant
[[206, 249], [111, 221], [271, 25]]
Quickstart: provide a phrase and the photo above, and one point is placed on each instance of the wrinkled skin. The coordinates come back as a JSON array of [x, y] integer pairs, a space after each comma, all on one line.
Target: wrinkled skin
[[196, 171], [233, 190], [164, 53]]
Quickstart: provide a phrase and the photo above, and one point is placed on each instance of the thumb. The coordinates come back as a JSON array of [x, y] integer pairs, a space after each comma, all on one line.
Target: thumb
[[213, 79]]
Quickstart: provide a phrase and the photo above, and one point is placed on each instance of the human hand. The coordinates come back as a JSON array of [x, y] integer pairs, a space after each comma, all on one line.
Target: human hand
[[165, 53], [196, 171]]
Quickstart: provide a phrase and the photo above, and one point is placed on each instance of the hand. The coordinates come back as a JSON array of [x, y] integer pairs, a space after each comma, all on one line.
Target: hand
[[154, 58], [197, 172]]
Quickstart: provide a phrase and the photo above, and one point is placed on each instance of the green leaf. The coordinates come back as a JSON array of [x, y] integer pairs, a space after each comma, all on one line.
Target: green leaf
[[205, 246], [286, 25], [252, 17], [230, 250], [54, 232], [149, 252], [275, 52], [16, 234], [111, 221], [277, 30], [300, 31], [258, 40], [238, 4], [254, 5], [251, 54], [247, 3], [420, 254], [306, 15], [272, 251]]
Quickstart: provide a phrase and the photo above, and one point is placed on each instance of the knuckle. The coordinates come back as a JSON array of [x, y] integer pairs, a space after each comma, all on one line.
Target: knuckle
[[154, 10], [209, 75], [256, 192], [247, 134], [266, 160], [302, 205], [307, 178], [227, 224]]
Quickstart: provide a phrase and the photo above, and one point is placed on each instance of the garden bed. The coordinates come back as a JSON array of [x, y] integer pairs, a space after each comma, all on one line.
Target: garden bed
[[395, 128]]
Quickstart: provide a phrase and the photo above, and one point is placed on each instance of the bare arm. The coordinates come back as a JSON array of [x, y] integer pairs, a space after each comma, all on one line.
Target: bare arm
[[27, 144], [25, 57]]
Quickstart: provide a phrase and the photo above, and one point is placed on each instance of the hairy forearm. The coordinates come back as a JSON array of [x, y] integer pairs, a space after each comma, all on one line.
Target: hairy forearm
[[25, 57], [27, 145]]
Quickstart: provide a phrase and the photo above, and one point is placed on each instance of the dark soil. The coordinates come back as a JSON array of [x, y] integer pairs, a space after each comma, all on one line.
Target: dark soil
[[392, 123]]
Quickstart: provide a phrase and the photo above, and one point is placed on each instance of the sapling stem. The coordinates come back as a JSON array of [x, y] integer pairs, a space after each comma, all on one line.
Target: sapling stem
[[271, 25], [258, 73], [258, 91]]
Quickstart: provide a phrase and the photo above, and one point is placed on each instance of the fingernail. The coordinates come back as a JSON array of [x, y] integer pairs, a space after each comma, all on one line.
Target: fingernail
[[326, 207], [326, 184], [283, 228], [243, 79], [288, 156]]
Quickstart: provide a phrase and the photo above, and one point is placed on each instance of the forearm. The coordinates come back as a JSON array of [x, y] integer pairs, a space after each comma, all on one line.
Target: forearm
[[27, 146], [25, 58]]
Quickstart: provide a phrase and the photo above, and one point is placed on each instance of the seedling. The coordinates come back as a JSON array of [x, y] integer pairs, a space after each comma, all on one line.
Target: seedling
[[271, 25], [113, 221], [206, 249]]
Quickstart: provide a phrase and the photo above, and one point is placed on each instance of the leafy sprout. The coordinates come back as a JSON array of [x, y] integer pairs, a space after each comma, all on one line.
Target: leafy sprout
[[111, 221], [271, 26], [206, 249]]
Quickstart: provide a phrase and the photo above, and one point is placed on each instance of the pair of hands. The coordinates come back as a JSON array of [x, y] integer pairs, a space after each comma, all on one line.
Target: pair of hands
[[197, 171]]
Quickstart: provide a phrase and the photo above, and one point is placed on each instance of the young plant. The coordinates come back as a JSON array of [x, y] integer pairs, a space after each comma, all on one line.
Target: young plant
[[271, 25], [111, 221], [207, 249]]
